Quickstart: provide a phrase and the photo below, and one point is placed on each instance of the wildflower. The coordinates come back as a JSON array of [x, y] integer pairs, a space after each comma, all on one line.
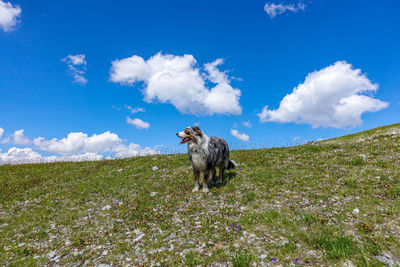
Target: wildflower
[[273, 260], [239, 170], [296, 260], [237, 225]]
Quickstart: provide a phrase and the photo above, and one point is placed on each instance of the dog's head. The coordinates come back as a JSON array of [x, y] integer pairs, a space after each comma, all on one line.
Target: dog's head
[[190, 134]]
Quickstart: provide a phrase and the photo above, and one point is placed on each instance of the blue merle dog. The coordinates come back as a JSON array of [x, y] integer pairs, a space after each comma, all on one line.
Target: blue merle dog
[[206, 154]]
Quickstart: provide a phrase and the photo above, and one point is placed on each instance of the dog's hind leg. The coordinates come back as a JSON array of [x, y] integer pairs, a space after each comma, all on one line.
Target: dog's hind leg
[[206, 181], [196, 174], [221, 174], [213, 171]]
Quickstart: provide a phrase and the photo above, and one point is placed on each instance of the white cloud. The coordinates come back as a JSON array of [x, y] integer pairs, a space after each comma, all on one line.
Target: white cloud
[[330, 97], [276, 9], [247, 124], [177, 80], [27, 155], [77, 66], [138, 123], [78, 142], [17, 138], [134, 110], [1, 132], [20, 139], [9, 16], [240, 136], [18, 155], [76, 147], [133, 150]]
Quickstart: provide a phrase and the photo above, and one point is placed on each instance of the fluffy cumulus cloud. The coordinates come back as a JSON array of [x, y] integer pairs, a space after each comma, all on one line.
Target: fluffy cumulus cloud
[[78, 142], [77, 146], [241, 136], [27, 155], [18, 155], [9, 15], [334, 96], [17, 138], [179, 81], [77, 67], [138, 123], [276, 9]]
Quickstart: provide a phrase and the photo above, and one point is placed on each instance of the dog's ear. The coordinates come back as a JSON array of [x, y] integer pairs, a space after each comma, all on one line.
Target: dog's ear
[[197, 131]]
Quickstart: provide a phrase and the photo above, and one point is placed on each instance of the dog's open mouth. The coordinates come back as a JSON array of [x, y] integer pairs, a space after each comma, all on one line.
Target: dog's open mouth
[[184, 140]]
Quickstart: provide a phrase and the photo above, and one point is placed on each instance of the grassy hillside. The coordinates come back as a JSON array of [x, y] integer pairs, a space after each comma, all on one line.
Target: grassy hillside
[[327, 203]]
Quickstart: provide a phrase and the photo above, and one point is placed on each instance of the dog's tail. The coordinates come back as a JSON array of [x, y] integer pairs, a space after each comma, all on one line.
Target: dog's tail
[[231, 165]]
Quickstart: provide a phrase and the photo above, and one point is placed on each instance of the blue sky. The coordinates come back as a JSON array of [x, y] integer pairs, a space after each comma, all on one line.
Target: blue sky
[[74, 66]]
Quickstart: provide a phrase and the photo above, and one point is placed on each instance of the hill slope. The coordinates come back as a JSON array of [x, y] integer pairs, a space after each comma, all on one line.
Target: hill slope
[[316, 204]]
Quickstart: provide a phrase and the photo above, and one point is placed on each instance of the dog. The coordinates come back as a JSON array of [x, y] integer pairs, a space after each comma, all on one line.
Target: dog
[[206, 154]]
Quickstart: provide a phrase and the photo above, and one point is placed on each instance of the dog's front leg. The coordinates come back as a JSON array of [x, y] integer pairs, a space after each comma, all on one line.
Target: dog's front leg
[[196, 180], [206, 181]]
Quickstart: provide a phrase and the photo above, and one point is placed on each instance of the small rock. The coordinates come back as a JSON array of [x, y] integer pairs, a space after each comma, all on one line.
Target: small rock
[[138, 238], [348, 263], [108, 207], [103, 265], [388, 259], [356, 211], [172, 236], [105, 252], [128, 259], [152, 194], [263, 256], [51, 254], [311, 253], [155, 168]]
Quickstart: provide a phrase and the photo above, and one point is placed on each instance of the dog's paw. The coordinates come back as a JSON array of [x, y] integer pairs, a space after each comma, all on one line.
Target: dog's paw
[[205, 190], [195, 189]]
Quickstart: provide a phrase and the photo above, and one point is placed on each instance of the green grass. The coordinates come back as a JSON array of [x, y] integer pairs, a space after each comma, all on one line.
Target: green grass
[[285, 204], [241, 259]]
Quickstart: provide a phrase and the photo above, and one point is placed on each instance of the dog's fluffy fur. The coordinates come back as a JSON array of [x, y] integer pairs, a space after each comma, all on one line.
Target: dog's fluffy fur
[[206, 154]]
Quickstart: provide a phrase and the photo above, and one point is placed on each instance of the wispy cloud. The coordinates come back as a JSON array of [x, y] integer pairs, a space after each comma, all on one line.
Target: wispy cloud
[[9, 15], [276, 9], [247, 124], [241, 136], [138, 123], [77, 67], [134, 110]]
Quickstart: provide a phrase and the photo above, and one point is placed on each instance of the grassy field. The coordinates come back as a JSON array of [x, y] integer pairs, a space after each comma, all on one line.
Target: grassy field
[[333, 202]]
